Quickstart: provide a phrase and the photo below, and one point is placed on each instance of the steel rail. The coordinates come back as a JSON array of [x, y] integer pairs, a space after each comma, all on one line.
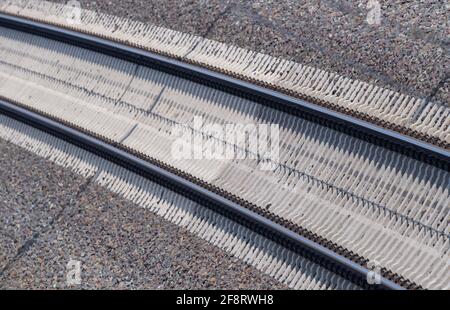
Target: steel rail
[[393, 140], [189, 189], [110, 151]]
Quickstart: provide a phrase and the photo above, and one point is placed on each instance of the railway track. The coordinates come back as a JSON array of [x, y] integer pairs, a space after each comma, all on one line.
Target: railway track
[[355, 181]]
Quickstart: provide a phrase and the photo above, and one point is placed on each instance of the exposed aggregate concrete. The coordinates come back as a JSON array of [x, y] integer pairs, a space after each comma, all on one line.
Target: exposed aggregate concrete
[[50, 216], [408, 51]]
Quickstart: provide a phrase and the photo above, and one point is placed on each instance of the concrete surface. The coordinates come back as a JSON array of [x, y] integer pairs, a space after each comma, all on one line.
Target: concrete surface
[[50, 216], [408, 50]]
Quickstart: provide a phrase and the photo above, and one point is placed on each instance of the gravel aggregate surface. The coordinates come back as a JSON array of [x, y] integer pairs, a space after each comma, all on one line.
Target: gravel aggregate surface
[[50, 216], [406, 49]]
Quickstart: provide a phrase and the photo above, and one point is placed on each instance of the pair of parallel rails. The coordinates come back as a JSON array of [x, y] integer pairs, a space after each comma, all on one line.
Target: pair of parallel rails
[[316, 248]]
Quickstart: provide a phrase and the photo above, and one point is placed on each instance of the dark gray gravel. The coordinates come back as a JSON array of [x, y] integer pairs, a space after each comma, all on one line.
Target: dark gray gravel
[[408, 51], [50, 215]]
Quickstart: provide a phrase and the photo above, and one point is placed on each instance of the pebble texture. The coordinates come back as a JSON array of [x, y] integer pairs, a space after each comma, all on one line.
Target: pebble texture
[[408, 51], [50, 216]]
